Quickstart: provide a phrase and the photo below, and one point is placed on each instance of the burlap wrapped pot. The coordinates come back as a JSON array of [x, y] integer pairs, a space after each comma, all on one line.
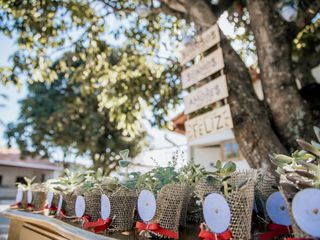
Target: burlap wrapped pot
[[123, 202], [68, 205], [39, 200], [93, 203], [241, 204], [185, 204], [169, 206], [24, 201], [264, 187]]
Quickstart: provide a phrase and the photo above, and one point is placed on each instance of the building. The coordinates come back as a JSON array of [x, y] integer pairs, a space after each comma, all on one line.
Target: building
[[13, 169]]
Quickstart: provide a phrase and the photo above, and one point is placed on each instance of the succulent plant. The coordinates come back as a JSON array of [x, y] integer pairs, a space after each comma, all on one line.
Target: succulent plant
[[69, 182], [98, 178], [302, 168], [28, 183], [192, 173], [221, 174]]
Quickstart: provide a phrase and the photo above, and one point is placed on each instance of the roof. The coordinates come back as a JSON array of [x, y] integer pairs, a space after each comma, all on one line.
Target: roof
[[11, 158]]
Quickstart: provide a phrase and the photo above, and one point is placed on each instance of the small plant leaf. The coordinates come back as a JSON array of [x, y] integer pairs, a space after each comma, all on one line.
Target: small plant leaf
[[308, 147], [124, 154], [124, 163], [317, 132]]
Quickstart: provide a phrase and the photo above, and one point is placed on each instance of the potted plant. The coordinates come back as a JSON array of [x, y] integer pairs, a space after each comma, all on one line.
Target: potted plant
[[299, 171]]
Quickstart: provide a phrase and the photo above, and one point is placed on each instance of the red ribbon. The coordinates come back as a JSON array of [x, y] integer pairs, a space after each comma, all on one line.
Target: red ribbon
[[275, 230], [206, 235], [299, 239], [97, 226], [29, 206], [155, 227], [15, 205]]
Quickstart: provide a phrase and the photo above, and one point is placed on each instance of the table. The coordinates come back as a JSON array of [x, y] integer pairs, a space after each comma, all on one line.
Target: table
[[26, 226]]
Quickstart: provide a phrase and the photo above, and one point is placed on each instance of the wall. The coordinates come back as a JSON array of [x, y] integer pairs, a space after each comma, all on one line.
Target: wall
[[9, 174]]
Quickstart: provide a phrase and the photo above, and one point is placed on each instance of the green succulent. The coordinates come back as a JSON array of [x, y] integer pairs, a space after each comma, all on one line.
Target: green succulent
[[221, 174], [69, 182], [302, 169], [192, 173], [28, 183]]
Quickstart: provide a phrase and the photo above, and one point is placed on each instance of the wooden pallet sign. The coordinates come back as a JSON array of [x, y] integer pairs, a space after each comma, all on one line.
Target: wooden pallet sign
[[209, 123], [202, 43], [206, 67], [211, 92]]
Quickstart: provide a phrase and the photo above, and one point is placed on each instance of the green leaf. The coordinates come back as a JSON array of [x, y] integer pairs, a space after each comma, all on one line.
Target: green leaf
[[124, 163], [308, 147], [124, 154], [229, 167], [317, 132]]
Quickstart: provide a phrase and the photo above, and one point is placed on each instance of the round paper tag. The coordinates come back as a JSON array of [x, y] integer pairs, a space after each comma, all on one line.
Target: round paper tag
[[29, 196], [50, 198], [19, 196], [105, 207], [146, 205], [306, 211], [59, 205], [216, 213], [80, 206], [277, 209]]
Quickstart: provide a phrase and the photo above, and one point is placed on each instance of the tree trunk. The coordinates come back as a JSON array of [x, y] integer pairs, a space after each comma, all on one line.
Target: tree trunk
[[291, 115], [252, 127]]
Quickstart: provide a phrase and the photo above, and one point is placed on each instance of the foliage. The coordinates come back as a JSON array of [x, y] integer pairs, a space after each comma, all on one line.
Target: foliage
[[154, 179], [69, 182], [192, 173], [95, 179], [28, 183], [66, 114], [221, 174], [302, 168]]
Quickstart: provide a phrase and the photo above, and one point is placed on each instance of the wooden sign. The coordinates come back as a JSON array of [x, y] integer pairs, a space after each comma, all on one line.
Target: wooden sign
[[207, 66], [202, 43], [209, 123], [207, 94]]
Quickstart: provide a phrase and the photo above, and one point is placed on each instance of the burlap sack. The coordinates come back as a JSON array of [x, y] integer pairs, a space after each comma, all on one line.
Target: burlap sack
[[241, 204], [24, 201], [123, 202], [68, 205], [39, 200], [55, 202], [263, 189], [185, 204], [169, 206], [195, 214], [92, 199]]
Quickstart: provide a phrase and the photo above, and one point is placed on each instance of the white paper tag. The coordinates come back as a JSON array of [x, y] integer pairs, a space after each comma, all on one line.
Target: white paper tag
[[277, 209], [19, 196], [80, 206], [306, 211], [50, 198], [216, 213], [105, 207], [29, 196], [59, 205], [146, 205]]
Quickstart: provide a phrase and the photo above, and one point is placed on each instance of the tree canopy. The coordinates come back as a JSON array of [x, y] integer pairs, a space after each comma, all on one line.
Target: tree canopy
[[145, 74]]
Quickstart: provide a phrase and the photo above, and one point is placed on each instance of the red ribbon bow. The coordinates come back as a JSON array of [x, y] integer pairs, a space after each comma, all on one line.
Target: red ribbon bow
[[206, 235], [97, 226], [275, 230], [15, 205], [155, 227]]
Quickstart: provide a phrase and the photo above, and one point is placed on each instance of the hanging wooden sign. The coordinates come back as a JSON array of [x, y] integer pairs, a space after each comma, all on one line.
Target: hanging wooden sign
[[209, 123], [207, 94], [206, 67], [202, 43]]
